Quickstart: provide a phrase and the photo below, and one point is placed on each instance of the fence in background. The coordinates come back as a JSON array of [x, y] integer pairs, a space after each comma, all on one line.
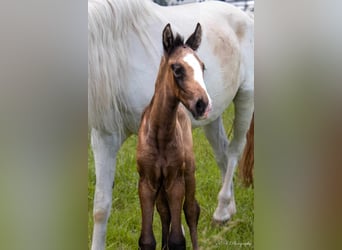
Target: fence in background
[[242, 4]]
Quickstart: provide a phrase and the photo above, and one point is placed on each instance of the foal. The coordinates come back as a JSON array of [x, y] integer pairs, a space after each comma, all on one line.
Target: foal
[[165, 157]]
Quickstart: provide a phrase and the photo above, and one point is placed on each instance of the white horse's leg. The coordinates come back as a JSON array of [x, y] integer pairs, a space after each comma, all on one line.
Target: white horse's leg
[[218, 140], [105, 147], [244, 107]]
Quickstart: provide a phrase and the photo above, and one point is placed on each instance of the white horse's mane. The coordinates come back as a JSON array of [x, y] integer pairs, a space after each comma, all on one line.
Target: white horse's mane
[[109, 22]]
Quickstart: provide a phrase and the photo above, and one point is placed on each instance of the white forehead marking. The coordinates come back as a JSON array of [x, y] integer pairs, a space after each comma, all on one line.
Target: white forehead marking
[[191, 60]]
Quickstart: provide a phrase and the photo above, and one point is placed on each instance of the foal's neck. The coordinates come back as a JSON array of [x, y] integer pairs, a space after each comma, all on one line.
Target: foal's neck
[[164, 107]]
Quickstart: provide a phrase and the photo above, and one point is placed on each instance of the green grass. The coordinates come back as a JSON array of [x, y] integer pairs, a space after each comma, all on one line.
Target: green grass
[[124, 223]]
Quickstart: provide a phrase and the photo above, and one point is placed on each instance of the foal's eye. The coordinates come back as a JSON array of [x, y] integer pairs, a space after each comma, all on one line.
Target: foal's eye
[[178, 70]]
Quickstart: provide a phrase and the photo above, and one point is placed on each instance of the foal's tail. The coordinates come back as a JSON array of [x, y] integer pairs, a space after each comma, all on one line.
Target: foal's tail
[[246, 166]]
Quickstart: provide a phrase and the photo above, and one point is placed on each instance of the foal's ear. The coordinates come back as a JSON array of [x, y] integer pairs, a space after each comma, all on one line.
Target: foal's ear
[[194, 40], [167, 38]]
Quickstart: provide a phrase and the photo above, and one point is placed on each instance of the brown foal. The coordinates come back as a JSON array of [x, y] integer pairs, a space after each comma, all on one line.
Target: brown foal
[[165, 156]]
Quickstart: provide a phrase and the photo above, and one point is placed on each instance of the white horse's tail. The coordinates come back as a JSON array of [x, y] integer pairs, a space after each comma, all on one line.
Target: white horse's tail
[[246, 165]]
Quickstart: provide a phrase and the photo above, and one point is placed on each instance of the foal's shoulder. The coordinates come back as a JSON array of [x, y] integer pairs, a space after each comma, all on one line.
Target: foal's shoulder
[[143, 127]]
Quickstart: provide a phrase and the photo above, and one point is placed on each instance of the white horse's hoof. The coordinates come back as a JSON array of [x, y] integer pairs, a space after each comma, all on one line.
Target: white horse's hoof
[[224, 214], [221, 218], [216, 222]]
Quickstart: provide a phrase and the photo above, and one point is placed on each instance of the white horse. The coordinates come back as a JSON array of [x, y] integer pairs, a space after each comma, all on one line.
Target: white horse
[[124, 50]]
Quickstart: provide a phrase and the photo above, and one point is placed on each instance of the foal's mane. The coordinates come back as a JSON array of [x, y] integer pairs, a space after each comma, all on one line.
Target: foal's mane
[[178, 41]]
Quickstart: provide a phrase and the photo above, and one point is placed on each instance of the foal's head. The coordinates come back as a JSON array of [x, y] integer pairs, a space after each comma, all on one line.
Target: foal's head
[[187, 71]]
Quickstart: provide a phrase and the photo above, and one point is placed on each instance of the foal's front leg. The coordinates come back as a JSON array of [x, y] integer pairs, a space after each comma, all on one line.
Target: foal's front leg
[[147, 196], [175, 195], [165, 216]]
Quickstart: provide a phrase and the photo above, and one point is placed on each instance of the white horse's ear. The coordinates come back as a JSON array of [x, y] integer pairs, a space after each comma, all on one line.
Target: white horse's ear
[[194, 40], [167, 38]]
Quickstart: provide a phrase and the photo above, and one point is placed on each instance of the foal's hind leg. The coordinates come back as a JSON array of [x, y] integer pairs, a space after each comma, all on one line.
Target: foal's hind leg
[[165, 216], [244, 107], [191, 207], [105, 147]]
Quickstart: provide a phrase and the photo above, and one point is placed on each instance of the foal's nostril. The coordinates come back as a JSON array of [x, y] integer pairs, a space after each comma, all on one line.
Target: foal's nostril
[[200, 107]]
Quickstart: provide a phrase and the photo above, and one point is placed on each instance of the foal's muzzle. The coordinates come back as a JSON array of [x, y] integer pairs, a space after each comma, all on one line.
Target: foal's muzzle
[[202, 109]]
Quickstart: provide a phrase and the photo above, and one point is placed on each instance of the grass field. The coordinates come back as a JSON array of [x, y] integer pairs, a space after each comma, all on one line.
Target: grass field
[[124, 223]]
